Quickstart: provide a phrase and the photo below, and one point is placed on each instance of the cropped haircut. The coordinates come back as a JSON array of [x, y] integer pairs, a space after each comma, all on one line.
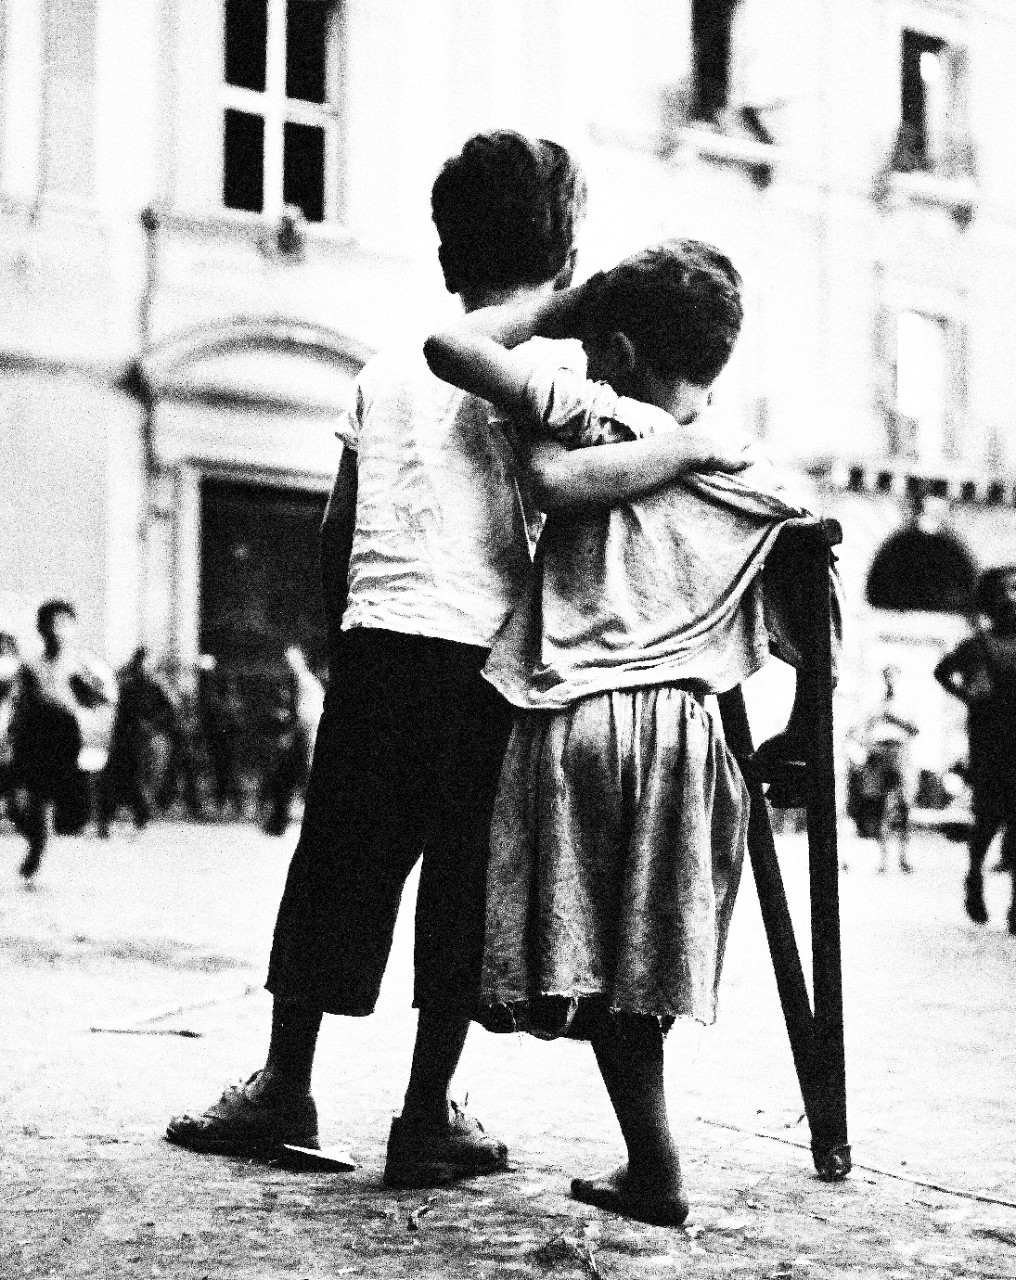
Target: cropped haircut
[[507, 209], [679, 302], [49, 610]]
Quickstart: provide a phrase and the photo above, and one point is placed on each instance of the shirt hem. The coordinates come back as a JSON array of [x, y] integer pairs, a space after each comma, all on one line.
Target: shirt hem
[[567, 693], [417, 627]]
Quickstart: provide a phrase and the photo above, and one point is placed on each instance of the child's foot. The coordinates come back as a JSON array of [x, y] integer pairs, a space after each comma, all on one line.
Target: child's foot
[[31, 863], [619, 1192]]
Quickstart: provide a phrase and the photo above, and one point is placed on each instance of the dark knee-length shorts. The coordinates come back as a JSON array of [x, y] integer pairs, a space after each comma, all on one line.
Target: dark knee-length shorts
[[406, 763]]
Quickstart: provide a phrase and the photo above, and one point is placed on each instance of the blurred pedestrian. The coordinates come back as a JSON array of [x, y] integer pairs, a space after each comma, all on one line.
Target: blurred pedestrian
[[10, 672], [64, 694], [297, 712], [223, 724], [183, 766], [142, 711], [981, 672], [885, 785]]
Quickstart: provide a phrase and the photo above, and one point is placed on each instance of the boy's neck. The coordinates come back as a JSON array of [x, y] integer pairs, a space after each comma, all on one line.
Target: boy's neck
[[474, 300], [682, 400]]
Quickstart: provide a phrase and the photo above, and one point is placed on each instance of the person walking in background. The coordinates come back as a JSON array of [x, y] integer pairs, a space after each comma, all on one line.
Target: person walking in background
[[10, 672], [63, 694], [183, 759], [297, 714], [981, 672], [142, 710], [222, 726], [887, 786]]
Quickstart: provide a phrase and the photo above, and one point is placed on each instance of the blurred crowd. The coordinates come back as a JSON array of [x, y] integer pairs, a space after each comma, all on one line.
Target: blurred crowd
[[82, 745]]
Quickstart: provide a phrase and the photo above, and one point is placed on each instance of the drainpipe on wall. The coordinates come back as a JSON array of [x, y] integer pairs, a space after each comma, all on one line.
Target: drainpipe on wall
[[135, 383]]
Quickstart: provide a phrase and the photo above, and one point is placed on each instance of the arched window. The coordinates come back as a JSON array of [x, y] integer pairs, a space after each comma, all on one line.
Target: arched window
[[917, 570]]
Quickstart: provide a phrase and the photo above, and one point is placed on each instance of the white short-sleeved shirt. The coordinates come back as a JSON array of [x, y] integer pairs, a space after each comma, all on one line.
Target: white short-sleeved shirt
[[443, 540]]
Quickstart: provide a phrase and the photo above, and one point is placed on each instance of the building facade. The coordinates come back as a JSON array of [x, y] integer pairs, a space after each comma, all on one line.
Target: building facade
[[212, 211]]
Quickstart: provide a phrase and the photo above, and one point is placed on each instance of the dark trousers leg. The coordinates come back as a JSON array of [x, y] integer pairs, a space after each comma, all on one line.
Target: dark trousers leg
[[37, 827], [450, 912], [368, 808]]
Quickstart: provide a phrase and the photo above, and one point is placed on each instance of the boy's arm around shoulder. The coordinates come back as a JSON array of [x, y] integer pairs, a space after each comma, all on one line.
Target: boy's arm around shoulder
[[563, 479], [476, 354]]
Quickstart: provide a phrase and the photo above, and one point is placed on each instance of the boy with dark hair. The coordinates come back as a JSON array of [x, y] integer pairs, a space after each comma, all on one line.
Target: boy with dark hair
[[620, 822], [425, 549], [65, 700]]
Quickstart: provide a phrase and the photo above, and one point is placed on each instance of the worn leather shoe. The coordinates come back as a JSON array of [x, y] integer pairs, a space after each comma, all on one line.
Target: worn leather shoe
[[237, 1125], [426, 1157]]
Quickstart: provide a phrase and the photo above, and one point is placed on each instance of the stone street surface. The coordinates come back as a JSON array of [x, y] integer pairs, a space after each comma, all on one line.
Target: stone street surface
[[179, 918]]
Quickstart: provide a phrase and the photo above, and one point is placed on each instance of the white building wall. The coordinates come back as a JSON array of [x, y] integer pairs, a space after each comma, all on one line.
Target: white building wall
[[824, 263]]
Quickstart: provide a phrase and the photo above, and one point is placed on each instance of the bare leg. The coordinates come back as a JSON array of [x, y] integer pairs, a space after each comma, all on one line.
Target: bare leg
[[440, 1039], [274, 1107], [287, 1069], [980, 838], [434, 1141], [903, 835], [629, 1054], [37, 827]]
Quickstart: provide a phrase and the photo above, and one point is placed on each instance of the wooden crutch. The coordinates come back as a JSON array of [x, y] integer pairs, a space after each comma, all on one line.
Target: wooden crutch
[[816, 1033]]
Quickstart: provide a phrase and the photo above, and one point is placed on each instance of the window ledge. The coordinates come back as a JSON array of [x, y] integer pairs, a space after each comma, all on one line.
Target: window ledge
[[259, 229], [686, 140], [957, 195], [757, 159], [57, 209]]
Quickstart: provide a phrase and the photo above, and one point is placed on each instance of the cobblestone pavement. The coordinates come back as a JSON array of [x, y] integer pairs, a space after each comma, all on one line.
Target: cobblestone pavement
[[181, 916]]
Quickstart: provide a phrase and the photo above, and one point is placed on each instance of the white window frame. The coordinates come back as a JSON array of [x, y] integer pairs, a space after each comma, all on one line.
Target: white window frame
[[930, 432], [277, 110]]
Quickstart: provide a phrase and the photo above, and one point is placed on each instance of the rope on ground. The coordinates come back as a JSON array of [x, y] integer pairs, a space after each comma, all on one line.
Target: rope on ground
[[869, 1168]]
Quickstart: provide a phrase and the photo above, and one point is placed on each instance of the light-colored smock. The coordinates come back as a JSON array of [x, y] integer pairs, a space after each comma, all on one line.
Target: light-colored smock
[[443, 540], [616, 851], [620, 824], [658, 591]]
